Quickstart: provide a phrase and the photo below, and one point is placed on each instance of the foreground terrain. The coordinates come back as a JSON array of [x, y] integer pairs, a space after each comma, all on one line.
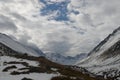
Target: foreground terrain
[[24, 67]]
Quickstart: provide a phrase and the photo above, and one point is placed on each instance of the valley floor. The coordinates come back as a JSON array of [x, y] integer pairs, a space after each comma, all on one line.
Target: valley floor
[[24, 67]]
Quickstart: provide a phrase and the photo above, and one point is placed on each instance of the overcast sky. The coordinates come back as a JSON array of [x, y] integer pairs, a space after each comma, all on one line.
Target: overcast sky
[[67, 27]]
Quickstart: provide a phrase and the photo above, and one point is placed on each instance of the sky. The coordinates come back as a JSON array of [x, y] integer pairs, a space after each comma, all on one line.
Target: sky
[[67, 27]]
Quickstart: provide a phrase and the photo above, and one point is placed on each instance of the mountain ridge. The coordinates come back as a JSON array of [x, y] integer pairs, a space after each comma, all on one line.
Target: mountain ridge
[[104, 41], [6, 40], [104, 59]]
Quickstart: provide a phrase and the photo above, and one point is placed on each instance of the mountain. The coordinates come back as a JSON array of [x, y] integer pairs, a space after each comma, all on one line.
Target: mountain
[[8, 41], [5, 39], [67, 60], [104, 59], [15, 65]]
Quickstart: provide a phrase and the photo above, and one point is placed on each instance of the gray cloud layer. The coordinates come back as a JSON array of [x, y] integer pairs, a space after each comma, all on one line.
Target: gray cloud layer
[[6, 24], [97, 18]]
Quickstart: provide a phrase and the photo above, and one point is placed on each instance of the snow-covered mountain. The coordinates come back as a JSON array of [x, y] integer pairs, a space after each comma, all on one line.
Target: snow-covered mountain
[[66, 60], [104, 59], [8, 41]]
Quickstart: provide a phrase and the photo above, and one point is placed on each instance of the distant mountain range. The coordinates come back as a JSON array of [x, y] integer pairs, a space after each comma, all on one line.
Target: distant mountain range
[[67, 60]]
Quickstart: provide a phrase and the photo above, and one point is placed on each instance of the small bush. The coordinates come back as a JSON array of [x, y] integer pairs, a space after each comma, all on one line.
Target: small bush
[[14, 73], [8, 68], [64, 78], [14, 62], [27, 79]]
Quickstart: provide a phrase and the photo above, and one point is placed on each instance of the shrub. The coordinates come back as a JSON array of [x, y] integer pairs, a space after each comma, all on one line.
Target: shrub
[[26, 78], [64, 78], [8, 68]]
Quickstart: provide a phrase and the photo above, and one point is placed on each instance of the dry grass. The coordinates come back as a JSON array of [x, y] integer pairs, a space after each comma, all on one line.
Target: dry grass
[[46, 65]]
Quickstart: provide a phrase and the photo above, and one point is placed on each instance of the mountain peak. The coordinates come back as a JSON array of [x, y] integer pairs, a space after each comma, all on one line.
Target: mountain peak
[[111, 37]]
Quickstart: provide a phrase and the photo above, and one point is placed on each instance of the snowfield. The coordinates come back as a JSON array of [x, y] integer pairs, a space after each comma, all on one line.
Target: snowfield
[[34, 76]]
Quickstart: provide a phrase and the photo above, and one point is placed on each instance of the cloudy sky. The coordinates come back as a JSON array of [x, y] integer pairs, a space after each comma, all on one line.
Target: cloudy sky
[[67, 27]]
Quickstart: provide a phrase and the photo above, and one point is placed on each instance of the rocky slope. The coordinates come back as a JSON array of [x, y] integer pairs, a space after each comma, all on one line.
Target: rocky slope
[[8, 41], [104, 59]]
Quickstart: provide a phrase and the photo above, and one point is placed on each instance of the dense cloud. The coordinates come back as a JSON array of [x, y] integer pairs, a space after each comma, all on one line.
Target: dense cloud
[[89, 22], [7, 24]]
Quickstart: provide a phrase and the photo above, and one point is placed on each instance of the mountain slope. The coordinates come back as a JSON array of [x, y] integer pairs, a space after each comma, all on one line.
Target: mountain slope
[[107, 42], [105, 58], [8, 41]]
